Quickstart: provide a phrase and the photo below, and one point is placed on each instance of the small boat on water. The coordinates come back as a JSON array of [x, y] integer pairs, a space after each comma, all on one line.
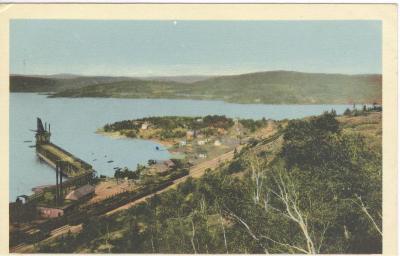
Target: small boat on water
[[111, 161], [27, 141], [94, 159]]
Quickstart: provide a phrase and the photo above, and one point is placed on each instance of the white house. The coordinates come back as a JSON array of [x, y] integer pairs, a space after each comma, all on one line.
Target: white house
[[217, 143], [190, 134], [145, 126]]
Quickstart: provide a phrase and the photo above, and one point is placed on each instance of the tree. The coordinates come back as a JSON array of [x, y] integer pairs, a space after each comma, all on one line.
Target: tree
[[347, 112]]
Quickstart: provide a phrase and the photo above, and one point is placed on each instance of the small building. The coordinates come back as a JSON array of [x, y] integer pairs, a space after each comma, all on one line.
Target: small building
[[169, 163], [182, 143], [54, 211], [202, 156], [190, 134], [81, 193], [22, 199], [217, 143], [145, 125], [201, 142], [50, 212], [162, 166], [222, 131]]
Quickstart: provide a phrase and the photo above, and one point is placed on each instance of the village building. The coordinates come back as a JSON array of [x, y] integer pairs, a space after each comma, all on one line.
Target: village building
[[201, 142], [163, 165], [190, 134], [199, 135], [169, 163], [202, 156], [217, 143], [22, 199], [48, 212], [145, 126], [82, 193], [221, 131], [182, 143]]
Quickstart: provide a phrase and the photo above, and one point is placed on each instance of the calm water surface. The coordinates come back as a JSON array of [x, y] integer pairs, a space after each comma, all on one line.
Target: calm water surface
[[74, 122]]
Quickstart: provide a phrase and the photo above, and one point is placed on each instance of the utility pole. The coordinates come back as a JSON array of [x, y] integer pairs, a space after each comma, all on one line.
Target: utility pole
[[59, 180], [61, 185], [57, 167]]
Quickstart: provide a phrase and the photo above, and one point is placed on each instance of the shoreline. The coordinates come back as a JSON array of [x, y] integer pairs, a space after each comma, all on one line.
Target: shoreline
[[118, 135], [245, 102]]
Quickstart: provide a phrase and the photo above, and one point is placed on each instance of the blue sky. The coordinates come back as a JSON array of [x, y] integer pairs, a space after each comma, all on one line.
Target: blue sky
[[147, 48]]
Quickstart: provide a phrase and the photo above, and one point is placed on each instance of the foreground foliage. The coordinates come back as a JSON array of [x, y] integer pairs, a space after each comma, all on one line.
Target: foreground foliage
[[320, 194]]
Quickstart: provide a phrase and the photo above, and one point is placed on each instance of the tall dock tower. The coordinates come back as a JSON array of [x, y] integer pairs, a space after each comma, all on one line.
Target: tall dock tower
[[42, 134]]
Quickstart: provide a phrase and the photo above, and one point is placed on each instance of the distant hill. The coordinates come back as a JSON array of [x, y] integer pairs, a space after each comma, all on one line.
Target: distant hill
[[271, 87], [293, 87], [56, 83], [179, 79]]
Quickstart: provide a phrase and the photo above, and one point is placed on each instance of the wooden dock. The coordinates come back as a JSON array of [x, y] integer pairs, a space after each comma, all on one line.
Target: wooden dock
[[71, 165], [55, 156]]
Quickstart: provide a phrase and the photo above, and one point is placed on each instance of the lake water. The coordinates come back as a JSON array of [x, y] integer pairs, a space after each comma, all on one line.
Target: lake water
[[74, 122]]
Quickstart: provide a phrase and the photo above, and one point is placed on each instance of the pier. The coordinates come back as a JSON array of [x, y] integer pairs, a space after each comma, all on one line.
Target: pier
[[69, 165], [75, 171]]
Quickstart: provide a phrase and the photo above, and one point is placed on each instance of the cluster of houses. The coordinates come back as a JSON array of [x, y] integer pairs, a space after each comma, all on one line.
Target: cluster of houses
[[199, 142], [162, 166]]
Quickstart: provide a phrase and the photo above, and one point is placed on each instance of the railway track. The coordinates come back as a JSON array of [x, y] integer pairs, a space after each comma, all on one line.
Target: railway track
[[60, 230], [195, 172], [18, 247]]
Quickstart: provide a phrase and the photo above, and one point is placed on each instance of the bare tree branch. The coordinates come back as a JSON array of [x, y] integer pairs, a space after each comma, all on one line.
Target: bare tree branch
[[365, 210], [285, 244], [193, 234]]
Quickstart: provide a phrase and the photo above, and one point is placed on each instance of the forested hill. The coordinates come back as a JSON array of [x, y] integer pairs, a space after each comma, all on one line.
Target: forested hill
[[272, 87], [294, 87], [56, 83]]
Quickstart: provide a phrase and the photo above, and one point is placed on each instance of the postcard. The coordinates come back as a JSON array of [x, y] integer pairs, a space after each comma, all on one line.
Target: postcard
[[199, 128]]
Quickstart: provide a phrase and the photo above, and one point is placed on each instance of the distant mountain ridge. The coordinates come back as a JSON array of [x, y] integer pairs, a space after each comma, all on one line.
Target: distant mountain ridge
[[178, 79], [56, 83], [270, 87]]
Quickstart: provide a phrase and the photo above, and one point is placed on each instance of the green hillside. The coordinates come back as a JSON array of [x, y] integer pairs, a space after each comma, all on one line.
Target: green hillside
[[273, 87], [289, 195], [56, 83], [294, 87]]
